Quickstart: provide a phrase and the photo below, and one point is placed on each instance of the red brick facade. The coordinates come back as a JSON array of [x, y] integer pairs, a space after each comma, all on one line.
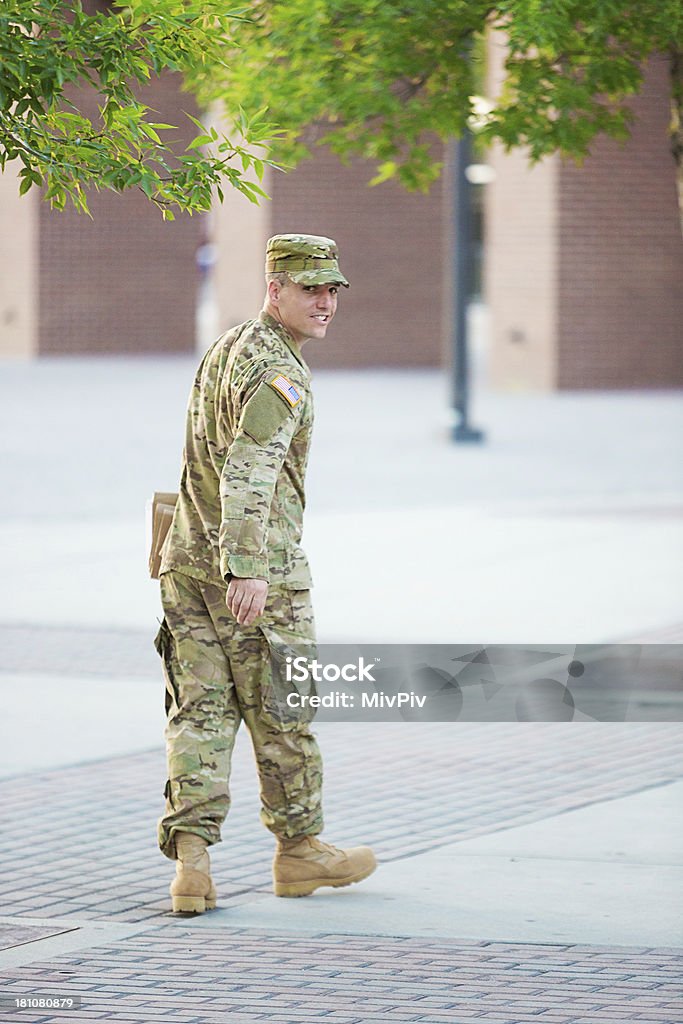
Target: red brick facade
[[584, 264], [391, 249], [124, 281], [620, 294]]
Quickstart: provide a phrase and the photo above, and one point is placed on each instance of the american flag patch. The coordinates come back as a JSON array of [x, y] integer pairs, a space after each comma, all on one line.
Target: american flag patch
[[286, 389]]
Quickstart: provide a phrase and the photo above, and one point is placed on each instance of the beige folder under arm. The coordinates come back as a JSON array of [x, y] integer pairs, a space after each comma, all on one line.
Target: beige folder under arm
[[159, 515]]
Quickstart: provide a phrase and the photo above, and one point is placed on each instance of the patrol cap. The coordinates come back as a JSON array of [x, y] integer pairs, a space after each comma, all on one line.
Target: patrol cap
[[308, 259]]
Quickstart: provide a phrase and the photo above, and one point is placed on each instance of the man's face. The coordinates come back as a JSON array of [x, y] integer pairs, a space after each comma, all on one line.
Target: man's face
[[304, 310]]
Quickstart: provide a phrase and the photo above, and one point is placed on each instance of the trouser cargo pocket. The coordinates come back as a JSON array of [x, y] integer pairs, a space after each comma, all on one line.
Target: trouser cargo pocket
[[288, 684]]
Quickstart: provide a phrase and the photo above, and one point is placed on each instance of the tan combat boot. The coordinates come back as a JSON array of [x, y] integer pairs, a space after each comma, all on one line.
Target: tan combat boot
[[192, 889], [304, 864]]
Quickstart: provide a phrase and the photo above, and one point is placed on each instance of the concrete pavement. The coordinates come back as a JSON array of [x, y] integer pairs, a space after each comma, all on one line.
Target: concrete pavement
[[564, 527], [588, 876]]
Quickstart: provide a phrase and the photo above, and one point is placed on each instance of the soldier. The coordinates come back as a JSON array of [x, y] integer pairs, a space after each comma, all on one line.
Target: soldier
[[235, 587]]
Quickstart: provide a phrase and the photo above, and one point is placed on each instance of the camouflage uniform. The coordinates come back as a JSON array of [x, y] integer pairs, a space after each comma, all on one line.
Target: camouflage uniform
[[216, 673], [239, 513]]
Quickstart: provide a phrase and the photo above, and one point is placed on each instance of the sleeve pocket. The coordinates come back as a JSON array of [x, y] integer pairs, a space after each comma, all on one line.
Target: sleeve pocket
[[264, 414]]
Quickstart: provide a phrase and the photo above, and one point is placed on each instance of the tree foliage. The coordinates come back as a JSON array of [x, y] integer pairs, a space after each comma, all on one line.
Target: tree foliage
[[50, 50], [376, 78]]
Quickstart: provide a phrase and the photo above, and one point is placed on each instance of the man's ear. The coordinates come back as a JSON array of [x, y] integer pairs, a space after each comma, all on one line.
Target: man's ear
[[274, 289]]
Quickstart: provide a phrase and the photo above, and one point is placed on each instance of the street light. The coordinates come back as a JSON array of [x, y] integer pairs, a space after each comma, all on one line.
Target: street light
[[463, 432]]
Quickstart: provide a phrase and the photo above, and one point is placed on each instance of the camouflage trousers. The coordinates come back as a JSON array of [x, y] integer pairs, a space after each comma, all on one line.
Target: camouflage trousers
[[217, 673]]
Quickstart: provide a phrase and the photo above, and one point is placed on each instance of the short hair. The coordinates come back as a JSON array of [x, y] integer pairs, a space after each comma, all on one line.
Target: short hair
[[282, 278]]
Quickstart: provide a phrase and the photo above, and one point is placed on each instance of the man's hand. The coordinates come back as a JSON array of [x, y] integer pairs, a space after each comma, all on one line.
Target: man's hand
[[246, 599]]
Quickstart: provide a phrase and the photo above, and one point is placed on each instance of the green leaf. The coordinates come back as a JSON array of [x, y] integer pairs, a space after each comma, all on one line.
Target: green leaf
[[149, 131], [200, 140], [253, 188]]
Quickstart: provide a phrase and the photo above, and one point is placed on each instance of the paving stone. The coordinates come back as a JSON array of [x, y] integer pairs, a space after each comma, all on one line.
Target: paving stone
[[115, 976], [242, 975]]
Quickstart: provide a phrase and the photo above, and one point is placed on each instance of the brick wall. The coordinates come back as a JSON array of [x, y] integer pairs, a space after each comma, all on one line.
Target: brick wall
[[620, 302], [390, 246], [124, 281]]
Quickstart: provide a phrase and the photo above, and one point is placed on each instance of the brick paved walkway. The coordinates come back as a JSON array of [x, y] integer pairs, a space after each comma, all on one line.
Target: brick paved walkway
[[404, 787], [80, 843], [212, 977]]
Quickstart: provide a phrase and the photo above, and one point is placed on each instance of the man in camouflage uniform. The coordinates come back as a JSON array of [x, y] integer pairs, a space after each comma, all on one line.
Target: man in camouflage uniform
[[235, 587]]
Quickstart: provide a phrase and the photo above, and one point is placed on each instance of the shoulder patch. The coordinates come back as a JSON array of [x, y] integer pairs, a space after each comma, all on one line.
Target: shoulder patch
[[285, 388], [264, 414]]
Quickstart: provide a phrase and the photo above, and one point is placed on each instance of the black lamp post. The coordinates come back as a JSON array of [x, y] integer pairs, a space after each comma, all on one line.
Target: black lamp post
[[463, 433]]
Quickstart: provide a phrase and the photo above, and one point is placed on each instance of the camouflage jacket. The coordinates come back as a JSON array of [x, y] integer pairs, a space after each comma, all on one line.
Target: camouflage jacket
[[248, 429]]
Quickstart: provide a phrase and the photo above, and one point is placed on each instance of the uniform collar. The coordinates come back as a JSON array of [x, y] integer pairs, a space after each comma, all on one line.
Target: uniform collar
[[283, 334]]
